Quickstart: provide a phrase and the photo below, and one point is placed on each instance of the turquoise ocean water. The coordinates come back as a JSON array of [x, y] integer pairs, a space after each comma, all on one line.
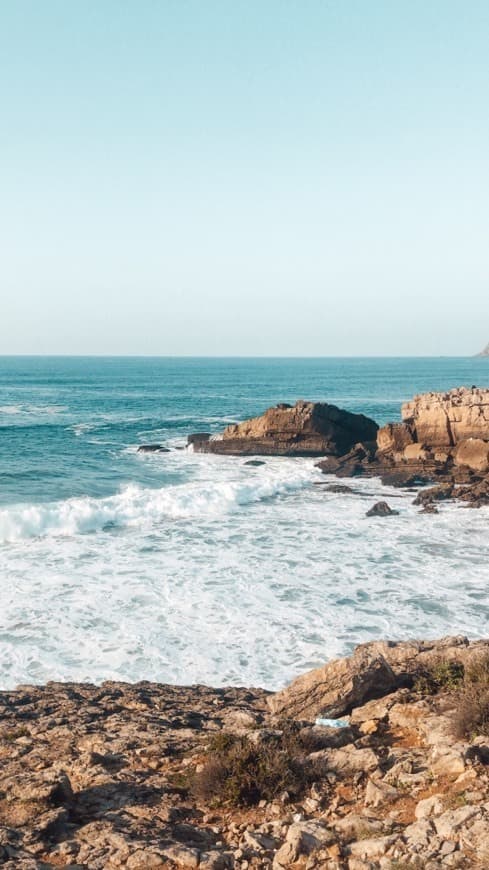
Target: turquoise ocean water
[[189, 568]]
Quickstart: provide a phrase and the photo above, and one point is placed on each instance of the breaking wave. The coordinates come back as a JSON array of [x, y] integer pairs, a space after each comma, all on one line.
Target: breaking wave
[[137, 506]]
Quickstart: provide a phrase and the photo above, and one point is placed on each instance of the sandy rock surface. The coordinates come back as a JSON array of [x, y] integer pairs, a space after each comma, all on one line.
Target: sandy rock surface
[[98, 777]]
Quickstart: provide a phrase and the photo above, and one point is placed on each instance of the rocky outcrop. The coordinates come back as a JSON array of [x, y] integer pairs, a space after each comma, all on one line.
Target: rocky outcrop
[[99, 778], [372, 671], [303, 429], [484, 352], [446, 419], [443, 440]]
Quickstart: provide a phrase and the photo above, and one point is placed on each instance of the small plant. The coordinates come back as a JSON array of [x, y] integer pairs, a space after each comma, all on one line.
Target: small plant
[[471, 718], [440, 676], [242, 772]]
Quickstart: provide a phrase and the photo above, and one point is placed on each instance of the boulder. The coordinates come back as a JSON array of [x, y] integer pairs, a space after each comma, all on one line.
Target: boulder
[[473, 452], [373, 670], [305, 429], [445, 419], [381, 509]]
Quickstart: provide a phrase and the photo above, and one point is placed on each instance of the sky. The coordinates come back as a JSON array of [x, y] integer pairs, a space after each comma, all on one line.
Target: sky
[[255, 177]]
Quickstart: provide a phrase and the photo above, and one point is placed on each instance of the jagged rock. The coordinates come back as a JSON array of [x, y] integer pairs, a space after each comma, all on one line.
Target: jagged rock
[[305, 429], [445, 419], [372, 671], [336, 687], [394, 437], [381, 509], [435, 493], [302, 838]]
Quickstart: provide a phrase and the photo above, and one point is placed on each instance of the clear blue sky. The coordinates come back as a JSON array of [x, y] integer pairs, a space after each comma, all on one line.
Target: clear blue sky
[[298, 177]]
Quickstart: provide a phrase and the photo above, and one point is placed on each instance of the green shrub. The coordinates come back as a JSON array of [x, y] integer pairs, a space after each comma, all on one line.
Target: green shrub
[[439, 676], [242, 772]]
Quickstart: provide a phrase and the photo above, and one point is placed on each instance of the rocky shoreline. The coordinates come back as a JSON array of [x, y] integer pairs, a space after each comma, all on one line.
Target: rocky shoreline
[[148, 775], [441, 442]]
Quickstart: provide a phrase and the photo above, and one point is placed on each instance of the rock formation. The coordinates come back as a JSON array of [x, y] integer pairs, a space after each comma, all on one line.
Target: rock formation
[[443, 439], [374, 670], [99, 778], [484, 352], [446, 419], [304, 429]]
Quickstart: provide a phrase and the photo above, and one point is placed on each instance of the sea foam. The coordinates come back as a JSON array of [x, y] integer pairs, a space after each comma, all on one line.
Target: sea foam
[[136, 506]]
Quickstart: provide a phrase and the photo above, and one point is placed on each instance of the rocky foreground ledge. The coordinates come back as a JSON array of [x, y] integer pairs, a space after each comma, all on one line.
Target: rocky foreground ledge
[[147, 775]]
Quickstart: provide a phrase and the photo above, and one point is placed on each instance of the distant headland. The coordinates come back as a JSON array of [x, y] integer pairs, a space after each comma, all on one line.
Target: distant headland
[[484, 352]]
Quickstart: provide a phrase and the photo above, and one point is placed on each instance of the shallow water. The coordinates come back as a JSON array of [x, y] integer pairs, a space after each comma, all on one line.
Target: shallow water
[[185, 568]]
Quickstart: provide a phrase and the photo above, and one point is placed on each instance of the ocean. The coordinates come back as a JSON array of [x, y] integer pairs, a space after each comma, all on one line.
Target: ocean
[[188, 568]]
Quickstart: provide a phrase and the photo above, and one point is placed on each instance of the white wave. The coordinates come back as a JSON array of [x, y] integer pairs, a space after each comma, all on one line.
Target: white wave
[[137, 506], [32, 410]]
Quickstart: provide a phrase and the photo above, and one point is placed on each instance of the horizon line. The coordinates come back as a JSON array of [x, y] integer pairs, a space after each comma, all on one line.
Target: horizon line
[[233, 356]]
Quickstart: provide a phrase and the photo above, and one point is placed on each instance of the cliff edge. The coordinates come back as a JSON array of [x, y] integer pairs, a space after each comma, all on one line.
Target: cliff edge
[[147, 775]]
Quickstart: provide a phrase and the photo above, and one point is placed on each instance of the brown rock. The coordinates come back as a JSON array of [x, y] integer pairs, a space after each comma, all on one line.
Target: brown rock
[[473, 452], [306, 429], [415, 453], [394, 437], [445, 419], [372, 671], [335, 688]]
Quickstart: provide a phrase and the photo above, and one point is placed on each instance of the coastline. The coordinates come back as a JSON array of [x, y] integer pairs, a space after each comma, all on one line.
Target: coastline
[[105, 776]]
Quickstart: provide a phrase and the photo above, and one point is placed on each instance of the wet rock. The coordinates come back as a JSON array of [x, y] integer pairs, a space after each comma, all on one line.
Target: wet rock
[[255, 463], [381, 509], [153, 448], [434, 494]]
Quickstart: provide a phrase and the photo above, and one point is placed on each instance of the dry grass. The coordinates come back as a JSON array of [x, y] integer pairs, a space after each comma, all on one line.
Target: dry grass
[[471, 718], [242, 772]]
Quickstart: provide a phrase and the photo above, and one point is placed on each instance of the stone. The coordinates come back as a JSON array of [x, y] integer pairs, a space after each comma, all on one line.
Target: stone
[[371, 848], [379, 793], [448, 824], [153, 448], [394, 437], [474, 453], [445, 419], [381, 509], [305, 429], [143, 859], [374, 670], [335, 688], [430, 806], [355, 827], [415, 453], [183, 856]]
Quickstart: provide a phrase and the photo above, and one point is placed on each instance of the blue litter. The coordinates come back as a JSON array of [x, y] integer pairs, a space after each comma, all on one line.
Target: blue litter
[[333, 723]]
